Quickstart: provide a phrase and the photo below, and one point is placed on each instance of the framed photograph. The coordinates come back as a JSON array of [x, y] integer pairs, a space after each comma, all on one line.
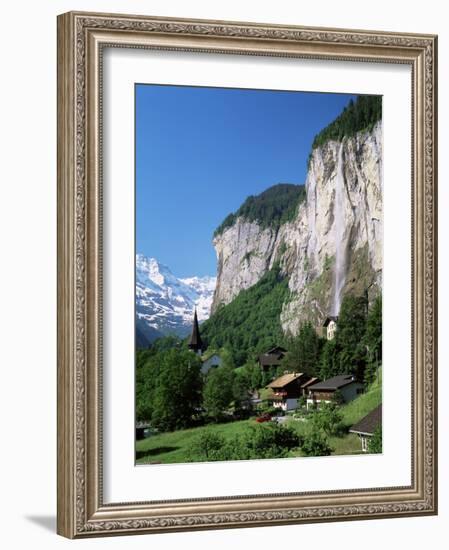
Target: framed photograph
[[246, 274]]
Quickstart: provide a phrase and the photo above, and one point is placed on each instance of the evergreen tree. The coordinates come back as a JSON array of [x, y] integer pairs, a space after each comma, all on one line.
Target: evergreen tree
[[357, 116], [271, 208], [373, 340], [255, 374], [329, 360], [349, 337], [241, 387], [303, 351], [177, 394], [250, 324]]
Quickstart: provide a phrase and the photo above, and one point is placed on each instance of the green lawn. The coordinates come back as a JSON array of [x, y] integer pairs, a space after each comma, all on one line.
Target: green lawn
[[360, 407], [171, 447], [348, 444], [352, 413]]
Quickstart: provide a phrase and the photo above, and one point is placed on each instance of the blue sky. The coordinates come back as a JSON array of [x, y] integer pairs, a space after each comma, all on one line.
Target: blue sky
[[201, 151]]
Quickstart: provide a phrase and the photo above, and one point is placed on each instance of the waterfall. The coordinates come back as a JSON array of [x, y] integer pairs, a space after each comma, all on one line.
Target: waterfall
[[340, 243]]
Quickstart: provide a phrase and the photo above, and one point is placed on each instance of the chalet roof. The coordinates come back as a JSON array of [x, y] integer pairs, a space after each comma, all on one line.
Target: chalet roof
[[266, 360], [310, 382], [195, 342], [329, 319], [275, 350], [334, 383], [284, 380], [369, 423], [273, 356]]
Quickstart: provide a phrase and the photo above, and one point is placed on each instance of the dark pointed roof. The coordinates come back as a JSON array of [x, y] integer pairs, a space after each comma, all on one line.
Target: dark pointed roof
[[329, 319], [276, 349], [272, 357], [334, 383], [195, 342], [368, 424]]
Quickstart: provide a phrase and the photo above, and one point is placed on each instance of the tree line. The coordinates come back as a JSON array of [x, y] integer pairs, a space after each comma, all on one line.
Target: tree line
[[173, 394], [357, 116], [356, 348], [250, 324], [271, 208]]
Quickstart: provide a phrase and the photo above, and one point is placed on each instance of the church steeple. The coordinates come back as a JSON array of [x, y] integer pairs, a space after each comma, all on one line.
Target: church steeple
[[195, 343]]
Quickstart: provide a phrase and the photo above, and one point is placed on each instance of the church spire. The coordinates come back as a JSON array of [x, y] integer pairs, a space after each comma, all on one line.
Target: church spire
[[195, 343]]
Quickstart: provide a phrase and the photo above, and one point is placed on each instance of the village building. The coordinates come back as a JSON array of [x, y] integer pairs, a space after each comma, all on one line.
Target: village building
[[210, 363], [330, 327], [287, 389], [325, 392], [271, 358], [195, 342], [305, 387], [366, 427]]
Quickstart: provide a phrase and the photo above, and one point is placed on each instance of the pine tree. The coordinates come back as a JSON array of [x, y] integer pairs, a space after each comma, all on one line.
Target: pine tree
[[350, 336], [304, 351], [373, 340]]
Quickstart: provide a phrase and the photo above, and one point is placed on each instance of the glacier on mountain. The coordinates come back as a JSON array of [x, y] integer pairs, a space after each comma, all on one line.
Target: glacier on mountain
[[165, 303]]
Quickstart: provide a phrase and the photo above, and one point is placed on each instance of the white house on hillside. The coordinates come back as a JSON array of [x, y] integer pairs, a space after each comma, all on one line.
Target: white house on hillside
[[330, 326]]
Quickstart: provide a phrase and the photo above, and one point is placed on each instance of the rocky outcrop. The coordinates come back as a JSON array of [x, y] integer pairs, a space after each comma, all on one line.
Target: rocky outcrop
[[332, 246]]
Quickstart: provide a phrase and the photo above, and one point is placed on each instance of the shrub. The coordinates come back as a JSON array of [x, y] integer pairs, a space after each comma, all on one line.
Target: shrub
[[315, 444], [267, 408], [328, 419], [261, 441], [302, 402], [218, 391], [375, 443], [205, 446], [271, 440], [338, 398]]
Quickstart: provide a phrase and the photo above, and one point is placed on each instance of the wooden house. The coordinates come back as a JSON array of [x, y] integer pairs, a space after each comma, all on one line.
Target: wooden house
[[325, 392], [366, 427], [287, 389], [271, 358]]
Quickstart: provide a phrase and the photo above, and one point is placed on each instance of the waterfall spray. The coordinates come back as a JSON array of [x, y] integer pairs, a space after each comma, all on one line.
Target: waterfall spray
[[340, 244]]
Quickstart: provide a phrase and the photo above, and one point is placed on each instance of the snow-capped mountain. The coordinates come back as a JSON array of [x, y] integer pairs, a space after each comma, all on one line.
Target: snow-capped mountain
[[165, 303]]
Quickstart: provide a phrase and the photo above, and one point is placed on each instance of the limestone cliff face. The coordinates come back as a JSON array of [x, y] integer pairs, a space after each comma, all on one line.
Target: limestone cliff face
[[334, 244]]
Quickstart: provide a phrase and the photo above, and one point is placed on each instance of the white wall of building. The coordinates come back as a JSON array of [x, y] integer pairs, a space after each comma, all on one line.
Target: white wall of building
[[287, 404]]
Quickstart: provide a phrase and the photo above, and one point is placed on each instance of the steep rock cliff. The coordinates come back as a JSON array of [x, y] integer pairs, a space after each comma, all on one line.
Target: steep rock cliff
[[333, 245]]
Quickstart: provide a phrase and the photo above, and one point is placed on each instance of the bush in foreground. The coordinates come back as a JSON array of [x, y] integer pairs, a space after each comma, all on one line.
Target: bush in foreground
[[328, 419], [261, 441], [315, 444]]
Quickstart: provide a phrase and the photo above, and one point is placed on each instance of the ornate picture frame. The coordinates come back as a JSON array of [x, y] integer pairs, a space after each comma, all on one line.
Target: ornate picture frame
[[82, 39]]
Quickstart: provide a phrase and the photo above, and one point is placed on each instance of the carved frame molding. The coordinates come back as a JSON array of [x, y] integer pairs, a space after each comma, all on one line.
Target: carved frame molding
[[81, 39]]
